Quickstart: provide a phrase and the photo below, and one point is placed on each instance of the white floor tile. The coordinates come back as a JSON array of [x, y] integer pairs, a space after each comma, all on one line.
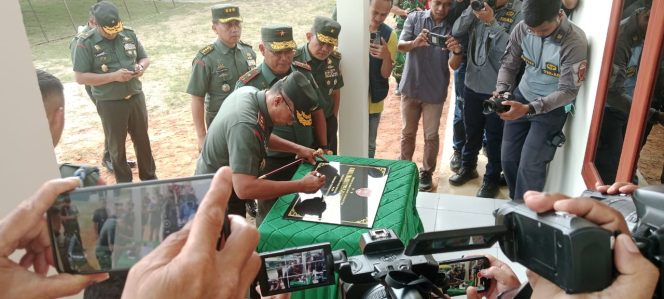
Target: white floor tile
[[468, 204], [427, 200], [448, 220], [428, 217]]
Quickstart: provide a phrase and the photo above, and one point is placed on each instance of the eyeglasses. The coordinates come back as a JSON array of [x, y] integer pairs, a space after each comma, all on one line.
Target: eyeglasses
[[286, 102]]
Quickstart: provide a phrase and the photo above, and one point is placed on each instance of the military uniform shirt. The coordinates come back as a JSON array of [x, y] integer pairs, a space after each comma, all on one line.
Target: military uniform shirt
[[238, 137], [555, 65], [95, 54], [215, 70], [301, 132], [327, 75], [486, 44]]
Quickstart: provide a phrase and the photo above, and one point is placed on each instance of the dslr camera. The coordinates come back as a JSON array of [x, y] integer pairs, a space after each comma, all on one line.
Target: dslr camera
[[478, 5], [495, 104]]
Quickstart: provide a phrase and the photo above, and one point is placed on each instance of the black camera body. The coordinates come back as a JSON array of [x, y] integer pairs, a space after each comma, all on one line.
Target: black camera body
[[495, 104], [570, 251], [383, 260], [478, 5], [437, 40]]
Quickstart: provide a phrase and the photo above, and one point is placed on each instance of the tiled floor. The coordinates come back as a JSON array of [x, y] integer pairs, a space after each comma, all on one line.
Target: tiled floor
[[441, 212]]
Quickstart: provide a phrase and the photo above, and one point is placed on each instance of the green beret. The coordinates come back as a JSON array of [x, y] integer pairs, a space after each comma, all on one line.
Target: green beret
[[327, 30], [299, 90], [107, 16], [224, 13], [278, 37]]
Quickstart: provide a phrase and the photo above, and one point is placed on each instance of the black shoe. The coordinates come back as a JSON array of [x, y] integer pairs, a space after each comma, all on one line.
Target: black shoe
[[131, 163], [489, 189], [463, 176], [426, 181], [455, 162], [252, 208], [108, 164], [502, 181]]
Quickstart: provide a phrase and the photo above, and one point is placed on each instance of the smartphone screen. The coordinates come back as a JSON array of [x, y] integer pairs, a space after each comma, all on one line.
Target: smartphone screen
[[296, 269], [110, 228], [462, 273]]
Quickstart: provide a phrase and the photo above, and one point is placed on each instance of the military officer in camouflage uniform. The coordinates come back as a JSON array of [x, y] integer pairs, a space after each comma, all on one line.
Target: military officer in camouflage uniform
[[324, 61], [217, 67], [111, 59], [278, 49], [401, 9], [242, 133]]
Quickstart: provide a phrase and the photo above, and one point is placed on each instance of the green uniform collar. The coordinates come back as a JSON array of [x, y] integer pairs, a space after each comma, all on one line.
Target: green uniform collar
[[262, 108], [222, 47], [96, 37], [269, 76]]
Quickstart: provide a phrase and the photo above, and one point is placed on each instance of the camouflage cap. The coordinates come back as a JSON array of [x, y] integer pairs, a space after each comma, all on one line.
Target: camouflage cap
[[299, 90], [327, 30], [107, 16], [278, 37], [224, 13]]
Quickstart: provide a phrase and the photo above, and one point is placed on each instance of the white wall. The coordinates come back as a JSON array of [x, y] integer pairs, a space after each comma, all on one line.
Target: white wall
[[565, 170], [27, 156], [354, 108]]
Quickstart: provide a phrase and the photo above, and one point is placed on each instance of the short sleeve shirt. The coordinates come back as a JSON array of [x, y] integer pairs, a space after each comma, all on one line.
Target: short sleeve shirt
[[216, 68], [238, 137], [96, 54]]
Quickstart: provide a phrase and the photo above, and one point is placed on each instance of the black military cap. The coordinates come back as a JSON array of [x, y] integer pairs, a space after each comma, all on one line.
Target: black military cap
[[107, 16], [278, 37], [327, 30], [299, 90], [224, 13]]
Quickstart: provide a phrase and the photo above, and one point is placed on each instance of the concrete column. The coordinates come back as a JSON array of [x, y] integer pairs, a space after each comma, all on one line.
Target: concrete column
[[353, 15]]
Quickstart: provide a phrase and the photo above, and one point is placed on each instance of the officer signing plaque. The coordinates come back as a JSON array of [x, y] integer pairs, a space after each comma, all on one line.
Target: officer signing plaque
[[351, 195]]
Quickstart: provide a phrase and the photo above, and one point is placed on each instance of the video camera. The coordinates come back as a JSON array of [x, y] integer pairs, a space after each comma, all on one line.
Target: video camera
[[495, 104], [478, 5]]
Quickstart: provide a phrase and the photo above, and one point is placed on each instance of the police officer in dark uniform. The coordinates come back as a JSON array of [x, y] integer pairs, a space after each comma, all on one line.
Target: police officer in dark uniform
[[217, 67], [111, 59], [319, 53], [242, 134], [555, 52], [278, 49]]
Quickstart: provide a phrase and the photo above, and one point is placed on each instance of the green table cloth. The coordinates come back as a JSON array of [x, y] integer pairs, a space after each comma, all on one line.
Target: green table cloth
[[396, 211]]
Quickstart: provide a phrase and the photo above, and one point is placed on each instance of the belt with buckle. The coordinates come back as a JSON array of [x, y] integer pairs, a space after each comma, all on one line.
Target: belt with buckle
[[128, 97]]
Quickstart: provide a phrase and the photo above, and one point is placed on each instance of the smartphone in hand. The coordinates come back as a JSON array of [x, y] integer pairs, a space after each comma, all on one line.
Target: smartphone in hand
[[110, 228]]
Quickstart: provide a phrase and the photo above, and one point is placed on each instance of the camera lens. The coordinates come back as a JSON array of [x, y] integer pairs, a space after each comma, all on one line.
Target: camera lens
[[477, 5]]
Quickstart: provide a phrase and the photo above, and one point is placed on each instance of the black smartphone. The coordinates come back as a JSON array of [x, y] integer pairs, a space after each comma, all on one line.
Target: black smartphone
[[437, 40], [110, 228], [295, 269], [374, 38], [462, 273]]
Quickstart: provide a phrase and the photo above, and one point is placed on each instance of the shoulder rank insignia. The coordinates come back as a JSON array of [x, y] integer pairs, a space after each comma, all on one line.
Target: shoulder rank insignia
[[303, 118], [207, 50], [302, 65], [336, 54], [250, 75], [84, 34]]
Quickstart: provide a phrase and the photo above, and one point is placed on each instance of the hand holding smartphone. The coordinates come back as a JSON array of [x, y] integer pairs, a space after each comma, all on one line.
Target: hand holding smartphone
[[110, 228]]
